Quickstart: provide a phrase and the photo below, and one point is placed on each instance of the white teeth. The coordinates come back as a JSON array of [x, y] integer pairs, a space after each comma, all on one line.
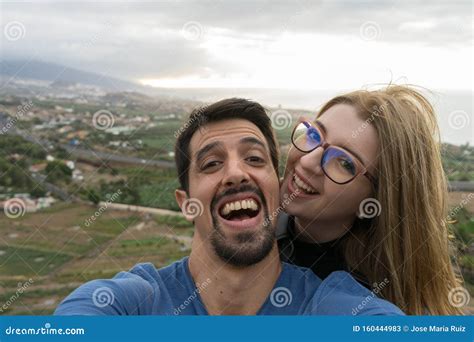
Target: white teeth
[[253, 205], [238, 205], [301, 184]]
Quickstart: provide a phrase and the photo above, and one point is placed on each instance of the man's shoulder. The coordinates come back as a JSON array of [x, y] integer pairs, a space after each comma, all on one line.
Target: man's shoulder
[[133, 292], [341, 294], [300, 272], [300, 279], [148, 272]]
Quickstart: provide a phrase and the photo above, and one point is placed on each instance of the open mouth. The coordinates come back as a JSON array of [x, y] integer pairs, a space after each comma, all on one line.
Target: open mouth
[[300, 185], [240, 212]]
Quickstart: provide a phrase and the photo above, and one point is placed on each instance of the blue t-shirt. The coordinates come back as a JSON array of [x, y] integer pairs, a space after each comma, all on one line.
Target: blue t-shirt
[[145, 290]]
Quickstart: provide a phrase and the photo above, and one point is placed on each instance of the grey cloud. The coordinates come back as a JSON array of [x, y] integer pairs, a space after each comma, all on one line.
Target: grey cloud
[[138, 39]]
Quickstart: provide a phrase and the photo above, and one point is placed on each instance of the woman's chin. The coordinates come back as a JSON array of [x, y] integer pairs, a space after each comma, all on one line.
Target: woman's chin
[[296, 209]]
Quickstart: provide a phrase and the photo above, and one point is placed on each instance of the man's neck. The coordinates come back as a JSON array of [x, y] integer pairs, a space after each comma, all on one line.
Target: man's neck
[[233, 290]]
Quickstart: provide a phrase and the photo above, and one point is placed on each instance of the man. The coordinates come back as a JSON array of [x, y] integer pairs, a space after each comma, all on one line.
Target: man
[[227, 162]]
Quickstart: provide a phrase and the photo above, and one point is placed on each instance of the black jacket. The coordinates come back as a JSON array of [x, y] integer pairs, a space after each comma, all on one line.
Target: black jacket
[[321, 258]]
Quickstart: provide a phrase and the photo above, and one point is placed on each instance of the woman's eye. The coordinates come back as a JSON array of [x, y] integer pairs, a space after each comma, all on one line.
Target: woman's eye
[[347, 165], [313, 135]]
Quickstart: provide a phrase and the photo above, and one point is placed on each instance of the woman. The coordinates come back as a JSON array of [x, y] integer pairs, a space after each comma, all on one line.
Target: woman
[[365, 191]]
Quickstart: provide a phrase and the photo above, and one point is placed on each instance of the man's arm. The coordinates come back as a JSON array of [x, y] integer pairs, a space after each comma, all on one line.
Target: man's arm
[[125, 294]]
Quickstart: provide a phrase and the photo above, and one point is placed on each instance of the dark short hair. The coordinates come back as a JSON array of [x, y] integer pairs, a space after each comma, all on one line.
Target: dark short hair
[[233, 108]]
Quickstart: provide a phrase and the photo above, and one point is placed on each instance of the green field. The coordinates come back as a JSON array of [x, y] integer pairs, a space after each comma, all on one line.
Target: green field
[[58, 251]]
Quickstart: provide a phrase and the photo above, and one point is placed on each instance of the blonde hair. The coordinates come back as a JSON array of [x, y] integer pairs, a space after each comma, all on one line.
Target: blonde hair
[[408, 242]]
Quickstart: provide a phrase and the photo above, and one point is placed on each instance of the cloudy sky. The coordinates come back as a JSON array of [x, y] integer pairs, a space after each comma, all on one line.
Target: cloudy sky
[[256, 44]]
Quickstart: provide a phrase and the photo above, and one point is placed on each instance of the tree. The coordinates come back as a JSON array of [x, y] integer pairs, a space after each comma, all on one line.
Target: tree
[[93, 196], [58, 171]]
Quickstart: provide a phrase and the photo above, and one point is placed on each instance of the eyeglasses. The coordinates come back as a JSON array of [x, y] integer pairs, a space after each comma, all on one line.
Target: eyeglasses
[[338, 165]]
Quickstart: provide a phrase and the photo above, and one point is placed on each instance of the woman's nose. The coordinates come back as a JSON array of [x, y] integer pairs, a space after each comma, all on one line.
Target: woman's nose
[[311, 162]]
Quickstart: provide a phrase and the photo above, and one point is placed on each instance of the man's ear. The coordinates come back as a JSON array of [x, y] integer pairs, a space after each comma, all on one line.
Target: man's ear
[[181, 196]]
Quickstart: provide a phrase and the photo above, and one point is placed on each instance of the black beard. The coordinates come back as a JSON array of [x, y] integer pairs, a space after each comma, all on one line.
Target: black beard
[[250, 247]]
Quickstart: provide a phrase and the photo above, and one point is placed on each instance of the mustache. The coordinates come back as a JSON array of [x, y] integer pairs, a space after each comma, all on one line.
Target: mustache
[[233, 191]]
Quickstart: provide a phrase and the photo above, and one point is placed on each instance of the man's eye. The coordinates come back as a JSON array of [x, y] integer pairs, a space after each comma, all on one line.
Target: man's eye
[[255, 159], [211, 164]]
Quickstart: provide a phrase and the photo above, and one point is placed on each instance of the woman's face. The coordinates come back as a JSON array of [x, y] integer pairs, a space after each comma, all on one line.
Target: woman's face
[[335, 203]]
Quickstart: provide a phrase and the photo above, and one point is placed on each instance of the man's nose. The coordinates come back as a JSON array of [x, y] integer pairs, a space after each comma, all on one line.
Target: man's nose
[[235, 174]]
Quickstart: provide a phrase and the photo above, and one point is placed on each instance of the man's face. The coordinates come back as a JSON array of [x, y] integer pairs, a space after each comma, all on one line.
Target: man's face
[[232, 175]]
